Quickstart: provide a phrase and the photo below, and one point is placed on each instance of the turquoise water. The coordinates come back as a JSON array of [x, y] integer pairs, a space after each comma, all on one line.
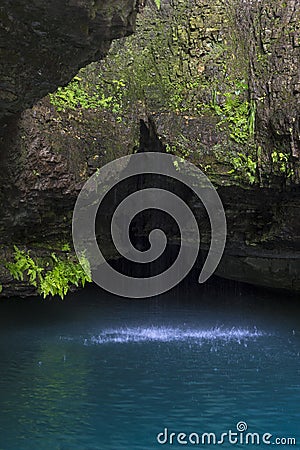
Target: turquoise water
[[100, 372]]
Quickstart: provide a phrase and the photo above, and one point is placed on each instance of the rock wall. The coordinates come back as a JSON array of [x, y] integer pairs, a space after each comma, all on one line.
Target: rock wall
[[233, 63], [46, 158], [271, 32], [44, 43], [215, 83]]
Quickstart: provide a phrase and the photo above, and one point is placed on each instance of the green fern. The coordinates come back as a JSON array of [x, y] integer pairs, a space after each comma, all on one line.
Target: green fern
[[56, 279]]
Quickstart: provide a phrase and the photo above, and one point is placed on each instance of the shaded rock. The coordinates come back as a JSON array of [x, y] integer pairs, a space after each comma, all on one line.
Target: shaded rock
[[44, 43]]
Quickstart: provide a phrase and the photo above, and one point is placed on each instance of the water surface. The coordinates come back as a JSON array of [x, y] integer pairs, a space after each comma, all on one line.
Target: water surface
[[96, 372]]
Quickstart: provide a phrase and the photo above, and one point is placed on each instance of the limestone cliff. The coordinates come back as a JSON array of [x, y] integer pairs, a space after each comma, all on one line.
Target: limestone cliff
[[217, 83], [44, 44]]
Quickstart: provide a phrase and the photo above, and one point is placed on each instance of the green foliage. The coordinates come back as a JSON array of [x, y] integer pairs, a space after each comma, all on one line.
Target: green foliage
[[177, 150], [251, 118], [280, 164], [80, 93], [63, 273], [236, 112], [158, 3], [244, 168], [24, 264], [55, 278], [66, 247], [137, 73]]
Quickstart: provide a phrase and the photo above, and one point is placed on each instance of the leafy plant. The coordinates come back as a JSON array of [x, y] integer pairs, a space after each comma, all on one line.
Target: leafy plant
[[24, 264], [238, 114], [55, 278], [63, 273], [280, 163], [66, 247], [158, 3], [244, 167], [81, 94], [251, 118]]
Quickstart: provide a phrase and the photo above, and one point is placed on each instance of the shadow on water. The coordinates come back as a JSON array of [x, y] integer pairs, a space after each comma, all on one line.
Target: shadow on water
[[216, 302]]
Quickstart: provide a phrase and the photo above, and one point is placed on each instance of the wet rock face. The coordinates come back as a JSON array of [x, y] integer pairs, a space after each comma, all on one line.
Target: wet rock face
[[49, 156], [271, 35], [45, 159], [44, 43], [201, 48]]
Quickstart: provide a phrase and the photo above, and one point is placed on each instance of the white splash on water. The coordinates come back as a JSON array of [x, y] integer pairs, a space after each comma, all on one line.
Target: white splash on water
[[170, 334]]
